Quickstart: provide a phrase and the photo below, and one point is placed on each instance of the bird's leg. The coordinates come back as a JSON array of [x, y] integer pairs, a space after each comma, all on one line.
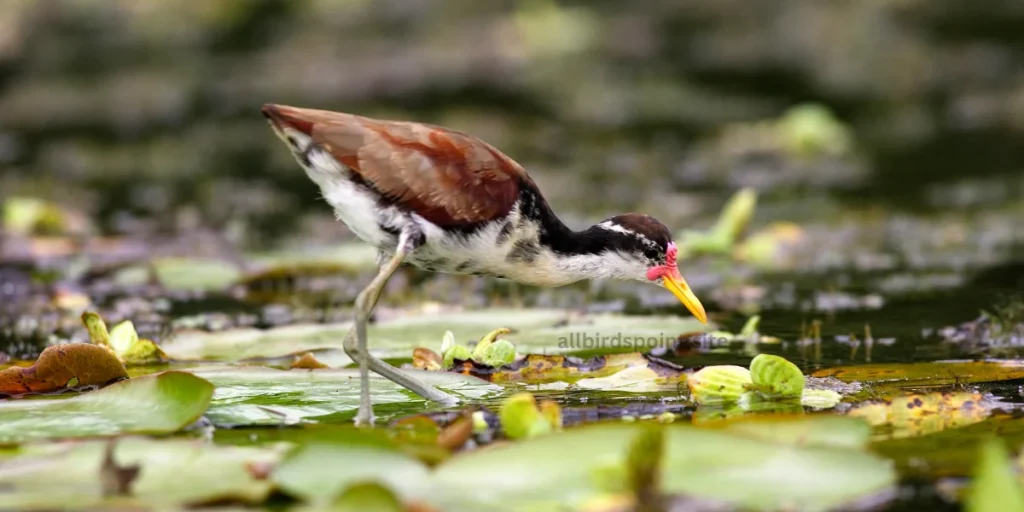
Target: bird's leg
[[355, 340]]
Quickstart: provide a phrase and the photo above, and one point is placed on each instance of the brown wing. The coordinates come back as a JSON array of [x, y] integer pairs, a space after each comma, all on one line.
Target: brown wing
[[447, 177]]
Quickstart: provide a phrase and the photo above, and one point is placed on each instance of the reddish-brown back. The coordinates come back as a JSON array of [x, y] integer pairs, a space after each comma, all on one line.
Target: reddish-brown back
[[447, 177]]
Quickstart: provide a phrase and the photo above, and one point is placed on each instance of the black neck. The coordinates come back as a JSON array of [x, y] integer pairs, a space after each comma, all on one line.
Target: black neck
[[562, 239]]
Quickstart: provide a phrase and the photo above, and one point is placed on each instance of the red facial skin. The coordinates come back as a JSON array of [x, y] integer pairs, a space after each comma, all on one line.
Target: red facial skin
[[669, 268]]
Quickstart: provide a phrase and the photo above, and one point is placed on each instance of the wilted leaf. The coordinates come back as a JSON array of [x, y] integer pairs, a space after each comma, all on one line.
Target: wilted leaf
[[995, 487], [79, 364], [123, 340], [170, 472], [801, 430], [153, 404]]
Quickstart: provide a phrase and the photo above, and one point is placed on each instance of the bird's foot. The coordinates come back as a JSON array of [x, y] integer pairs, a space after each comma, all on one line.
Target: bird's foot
[[365, 418]]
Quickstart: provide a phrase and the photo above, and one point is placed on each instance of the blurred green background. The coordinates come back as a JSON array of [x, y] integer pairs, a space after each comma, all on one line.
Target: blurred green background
[[144, 114]]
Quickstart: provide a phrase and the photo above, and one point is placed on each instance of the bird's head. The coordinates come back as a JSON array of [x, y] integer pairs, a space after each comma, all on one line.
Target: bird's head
[[647, 245]]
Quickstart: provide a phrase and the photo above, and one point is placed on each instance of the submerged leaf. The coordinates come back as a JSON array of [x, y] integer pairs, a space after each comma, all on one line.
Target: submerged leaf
[[64, 365], [775, 377], [153, 404]]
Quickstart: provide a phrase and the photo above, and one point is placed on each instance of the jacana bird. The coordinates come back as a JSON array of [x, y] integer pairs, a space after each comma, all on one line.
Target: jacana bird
[[445, 201]]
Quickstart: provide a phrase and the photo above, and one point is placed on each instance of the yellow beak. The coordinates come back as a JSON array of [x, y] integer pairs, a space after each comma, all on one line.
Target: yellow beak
[[677, 285]]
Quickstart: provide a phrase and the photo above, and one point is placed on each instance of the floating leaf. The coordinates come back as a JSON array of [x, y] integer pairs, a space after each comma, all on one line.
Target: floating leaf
[[721, 383], [775, 377], [170, 472], [318, 472], [949, 452], [941, 373], [564, 470], [367, 496], [921, 414], [800, 430], [153, 404], [267, 396], [64, 365], [521, 418], [995, 487], [541, 369]]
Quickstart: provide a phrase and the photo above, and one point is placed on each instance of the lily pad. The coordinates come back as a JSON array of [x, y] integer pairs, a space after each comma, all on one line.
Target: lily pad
[[171, 472], [565, 470], [62, 366], [995, 487], [319, 472], [939, 373], [154, 404], [549, 331], [267, 396]]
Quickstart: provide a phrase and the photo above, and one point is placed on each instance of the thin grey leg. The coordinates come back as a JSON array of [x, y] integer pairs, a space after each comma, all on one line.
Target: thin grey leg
[[356, 344]]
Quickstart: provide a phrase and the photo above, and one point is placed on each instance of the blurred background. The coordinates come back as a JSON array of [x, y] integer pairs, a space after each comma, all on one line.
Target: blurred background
[[881, 138]]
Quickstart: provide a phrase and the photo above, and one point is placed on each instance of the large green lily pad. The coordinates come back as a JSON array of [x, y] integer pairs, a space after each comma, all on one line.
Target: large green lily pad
[[534, 331], [170, 472], [154, 404], [570, 468], [304, 473], [267, 396]]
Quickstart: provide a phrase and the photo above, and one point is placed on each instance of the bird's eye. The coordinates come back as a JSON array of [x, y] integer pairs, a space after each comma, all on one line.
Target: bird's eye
[[651, 254]]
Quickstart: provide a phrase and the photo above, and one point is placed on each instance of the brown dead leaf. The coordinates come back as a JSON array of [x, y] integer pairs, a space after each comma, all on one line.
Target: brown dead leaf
[[541, 369], [455, 435], [62, 366], [307, 362], [426, 359]]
